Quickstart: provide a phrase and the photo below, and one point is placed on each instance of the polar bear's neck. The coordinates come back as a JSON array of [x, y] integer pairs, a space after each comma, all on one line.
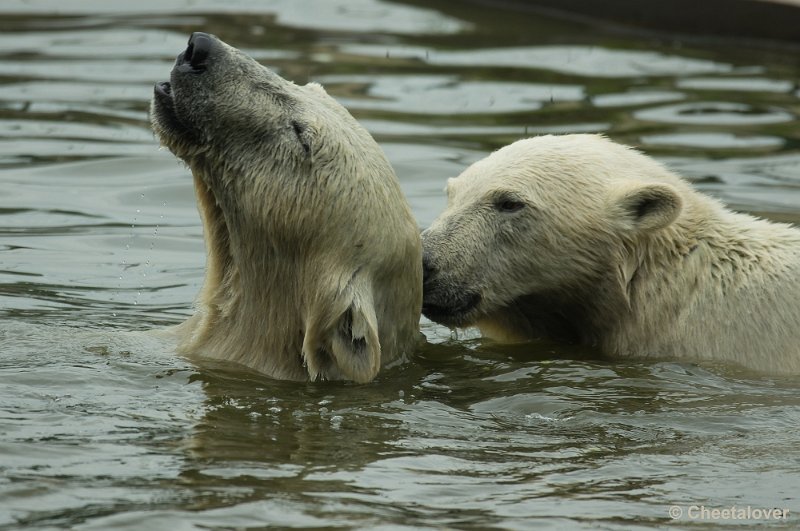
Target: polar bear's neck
[[239, 310], [716, 285], [576, 315]]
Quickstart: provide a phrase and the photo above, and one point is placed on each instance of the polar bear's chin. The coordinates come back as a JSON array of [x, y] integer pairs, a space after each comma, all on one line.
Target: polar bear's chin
[[458, 312], [171, 131]]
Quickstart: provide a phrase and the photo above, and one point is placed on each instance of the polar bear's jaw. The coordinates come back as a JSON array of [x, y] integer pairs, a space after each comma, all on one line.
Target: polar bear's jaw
[[451, 306]]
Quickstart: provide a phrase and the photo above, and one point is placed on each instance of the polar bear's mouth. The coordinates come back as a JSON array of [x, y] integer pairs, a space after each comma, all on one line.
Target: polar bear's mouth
[[451, 311], [175, 132], [164, 89], [164, 111]]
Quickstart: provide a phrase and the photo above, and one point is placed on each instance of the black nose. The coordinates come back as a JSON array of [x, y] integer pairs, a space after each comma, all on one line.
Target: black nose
[[195, 57], [428, 268]]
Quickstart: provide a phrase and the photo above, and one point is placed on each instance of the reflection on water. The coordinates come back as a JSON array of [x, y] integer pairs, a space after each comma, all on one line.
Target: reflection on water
[[588, 61], [102, 427], [713, 141], [426, 94], [714, 113]]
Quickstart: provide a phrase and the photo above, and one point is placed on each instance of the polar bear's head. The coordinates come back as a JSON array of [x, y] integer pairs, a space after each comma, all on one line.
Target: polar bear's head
[[313, 257], [539, 227]]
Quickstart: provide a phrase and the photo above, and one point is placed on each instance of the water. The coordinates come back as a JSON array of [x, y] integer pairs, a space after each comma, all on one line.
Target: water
[[102, 427]]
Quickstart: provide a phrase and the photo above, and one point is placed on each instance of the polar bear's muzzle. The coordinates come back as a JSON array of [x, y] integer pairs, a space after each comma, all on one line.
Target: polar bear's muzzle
[[449, 307], [445, 301], [172, 108], [216, 93]]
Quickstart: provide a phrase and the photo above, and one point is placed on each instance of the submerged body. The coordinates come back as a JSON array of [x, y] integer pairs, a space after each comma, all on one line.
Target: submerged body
[[313, 256], [578, 239]]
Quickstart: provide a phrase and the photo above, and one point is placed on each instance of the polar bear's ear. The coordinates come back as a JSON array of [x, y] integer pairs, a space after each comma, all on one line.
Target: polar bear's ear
[[343, 343], [311, 85], [355, 345], [650, 207]]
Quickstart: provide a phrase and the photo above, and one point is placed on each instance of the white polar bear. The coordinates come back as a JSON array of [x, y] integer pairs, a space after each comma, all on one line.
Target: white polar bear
[[578, 239], [314, 267]]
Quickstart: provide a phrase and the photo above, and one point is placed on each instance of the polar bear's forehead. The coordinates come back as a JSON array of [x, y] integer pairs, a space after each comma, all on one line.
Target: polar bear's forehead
[[527, 168], [547, 165], [587, 156], [549, 172]]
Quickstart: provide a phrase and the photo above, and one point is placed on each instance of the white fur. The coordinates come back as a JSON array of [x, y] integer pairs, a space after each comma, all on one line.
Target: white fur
[[615, 251], [313, 256]]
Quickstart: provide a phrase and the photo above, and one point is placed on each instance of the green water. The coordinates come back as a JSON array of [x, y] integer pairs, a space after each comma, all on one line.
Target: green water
[[102, 428]]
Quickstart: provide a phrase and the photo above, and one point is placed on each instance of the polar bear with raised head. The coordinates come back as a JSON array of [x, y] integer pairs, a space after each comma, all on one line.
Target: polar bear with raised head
[[314, 266]]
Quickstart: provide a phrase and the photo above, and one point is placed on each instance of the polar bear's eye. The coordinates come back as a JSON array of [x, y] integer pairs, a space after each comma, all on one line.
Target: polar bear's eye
[[508, 204]]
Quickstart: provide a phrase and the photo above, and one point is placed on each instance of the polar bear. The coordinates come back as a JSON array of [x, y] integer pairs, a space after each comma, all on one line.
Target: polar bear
[[578, 239], [314, 260]]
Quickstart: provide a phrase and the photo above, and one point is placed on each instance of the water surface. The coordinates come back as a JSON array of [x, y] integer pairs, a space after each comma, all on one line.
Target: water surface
[[102, 427]]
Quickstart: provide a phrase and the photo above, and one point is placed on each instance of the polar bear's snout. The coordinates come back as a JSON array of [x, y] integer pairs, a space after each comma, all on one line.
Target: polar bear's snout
[[193, 60], [219, 99], [429, 268], [176, 108], [445, 300]]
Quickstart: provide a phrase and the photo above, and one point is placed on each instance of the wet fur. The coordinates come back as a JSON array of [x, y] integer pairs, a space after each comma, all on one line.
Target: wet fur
[[613, 251], [313, 257]]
